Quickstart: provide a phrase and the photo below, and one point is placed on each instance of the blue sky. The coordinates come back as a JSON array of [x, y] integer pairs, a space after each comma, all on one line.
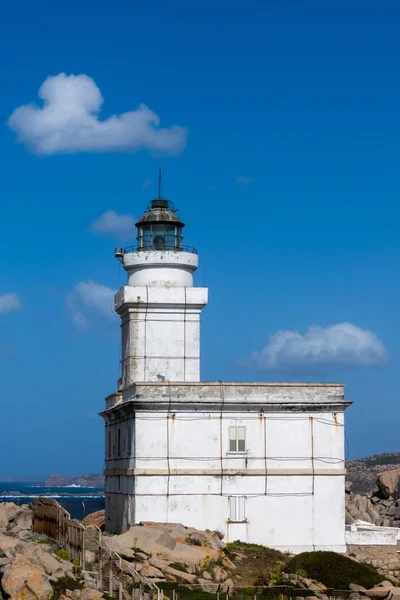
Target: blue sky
[[288, 185]]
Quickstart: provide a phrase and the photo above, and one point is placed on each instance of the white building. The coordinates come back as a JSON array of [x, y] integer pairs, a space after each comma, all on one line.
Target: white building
[[263, 462]]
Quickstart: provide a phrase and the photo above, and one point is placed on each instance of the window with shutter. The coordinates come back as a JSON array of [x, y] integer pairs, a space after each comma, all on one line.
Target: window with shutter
[[237, 506], [237, 439]]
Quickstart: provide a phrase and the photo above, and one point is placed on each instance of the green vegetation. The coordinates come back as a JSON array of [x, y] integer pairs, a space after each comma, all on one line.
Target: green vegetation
[[63, 554], [61, 585], [76, 569], [255, 564], [184, 592], [334, 570], [385, 458], [194, 541]]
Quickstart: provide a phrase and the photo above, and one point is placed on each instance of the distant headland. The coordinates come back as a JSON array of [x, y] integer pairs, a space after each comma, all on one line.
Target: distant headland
[[91, 480]]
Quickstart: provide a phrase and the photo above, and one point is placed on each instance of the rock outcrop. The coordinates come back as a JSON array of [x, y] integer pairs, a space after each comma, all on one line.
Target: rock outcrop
[[381, 506], [389, 484], [95, 518], [29, 567]]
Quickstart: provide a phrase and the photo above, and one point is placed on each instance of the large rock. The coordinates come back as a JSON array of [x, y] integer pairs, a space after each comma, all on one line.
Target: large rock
[[25, 580], [181, 575], [38, 556], [8, 510], [170, 542], [354, 587], [373, 513], [7, 542], [379, 592], [90, 594], [219, 574], [95, 518], [355, 513], [150, 571], [389, 483]]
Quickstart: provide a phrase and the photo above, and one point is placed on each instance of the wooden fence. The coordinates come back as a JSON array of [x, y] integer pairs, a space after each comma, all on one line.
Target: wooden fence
[[113, 575]]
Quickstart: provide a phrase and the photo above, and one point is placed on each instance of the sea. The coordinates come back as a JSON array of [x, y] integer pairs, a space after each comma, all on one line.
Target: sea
[[79, 501]]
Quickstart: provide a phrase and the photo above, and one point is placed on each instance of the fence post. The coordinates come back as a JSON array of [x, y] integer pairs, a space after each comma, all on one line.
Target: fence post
[[83, 560], [100, 581], [110, 588]]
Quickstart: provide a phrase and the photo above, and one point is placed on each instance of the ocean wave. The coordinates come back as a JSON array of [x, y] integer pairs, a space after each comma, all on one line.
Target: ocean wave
[[54, 496]]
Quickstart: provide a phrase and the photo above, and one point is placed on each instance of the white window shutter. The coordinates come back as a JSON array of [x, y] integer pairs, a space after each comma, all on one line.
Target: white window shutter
[[241, 439], [232, 439]]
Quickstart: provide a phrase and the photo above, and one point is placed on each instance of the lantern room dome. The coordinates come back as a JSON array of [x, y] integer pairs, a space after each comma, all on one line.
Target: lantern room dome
[[160, 211]]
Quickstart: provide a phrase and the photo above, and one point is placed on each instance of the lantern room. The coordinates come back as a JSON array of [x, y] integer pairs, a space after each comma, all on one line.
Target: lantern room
[[160, 228]]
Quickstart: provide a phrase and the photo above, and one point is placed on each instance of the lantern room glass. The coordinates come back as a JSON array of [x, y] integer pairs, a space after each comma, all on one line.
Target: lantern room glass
[[159, 236]]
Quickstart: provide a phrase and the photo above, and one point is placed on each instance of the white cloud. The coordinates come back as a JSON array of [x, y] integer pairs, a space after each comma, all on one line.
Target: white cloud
[[112, 224], [10, 303], [89, 298], [244, 180], [338, 346], [69, 122]]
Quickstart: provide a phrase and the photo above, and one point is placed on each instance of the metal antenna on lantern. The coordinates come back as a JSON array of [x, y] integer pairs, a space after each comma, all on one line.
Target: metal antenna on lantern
[[159, 183]]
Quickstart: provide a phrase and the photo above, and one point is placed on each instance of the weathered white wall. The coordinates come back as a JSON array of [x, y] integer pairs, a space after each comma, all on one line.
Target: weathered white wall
[[292, 474], [160, 268], [160, 313], [160, 333]]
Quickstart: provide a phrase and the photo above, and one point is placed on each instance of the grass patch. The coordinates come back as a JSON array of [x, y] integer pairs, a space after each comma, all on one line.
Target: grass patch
[[63, 554], [254, 563], [334, 570]]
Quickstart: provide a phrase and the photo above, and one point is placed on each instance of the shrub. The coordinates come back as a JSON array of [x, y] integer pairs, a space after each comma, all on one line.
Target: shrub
[[334, 570], [194, 541], [76, 569], [275, 576], [219, 533], [301, 572], [61, 585], [63, 555]]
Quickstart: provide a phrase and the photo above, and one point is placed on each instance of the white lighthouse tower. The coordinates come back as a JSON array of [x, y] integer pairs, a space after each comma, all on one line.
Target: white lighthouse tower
[[260, 461], [159, 307]]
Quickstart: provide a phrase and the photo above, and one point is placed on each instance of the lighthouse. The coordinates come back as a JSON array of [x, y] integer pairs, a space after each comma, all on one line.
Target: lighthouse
[[159, 307], [262, 462]]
